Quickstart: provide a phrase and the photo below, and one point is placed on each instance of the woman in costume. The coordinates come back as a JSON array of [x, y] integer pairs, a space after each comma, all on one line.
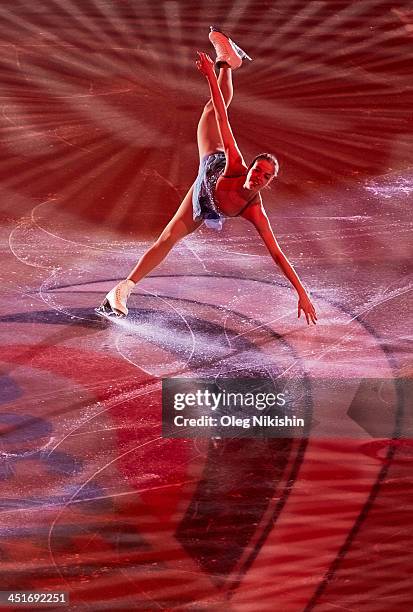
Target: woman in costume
[[225, 186]]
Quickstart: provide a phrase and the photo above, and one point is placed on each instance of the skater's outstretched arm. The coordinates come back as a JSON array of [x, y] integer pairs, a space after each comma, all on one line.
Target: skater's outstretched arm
[[232, 152], [257, 215]]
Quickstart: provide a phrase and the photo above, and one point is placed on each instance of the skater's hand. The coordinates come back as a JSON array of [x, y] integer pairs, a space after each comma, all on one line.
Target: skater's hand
[[205, 65], [305, 305]]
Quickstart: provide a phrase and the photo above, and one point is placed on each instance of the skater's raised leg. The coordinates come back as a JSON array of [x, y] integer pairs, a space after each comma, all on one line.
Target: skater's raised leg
[[229, 57]]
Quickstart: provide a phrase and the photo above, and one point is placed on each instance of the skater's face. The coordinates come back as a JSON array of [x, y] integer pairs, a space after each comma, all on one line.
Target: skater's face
[[260, 174]]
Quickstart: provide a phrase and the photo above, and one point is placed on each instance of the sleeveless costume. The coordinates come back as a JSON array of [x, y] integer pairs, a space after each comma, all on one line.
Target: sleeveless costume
[[204, 204]]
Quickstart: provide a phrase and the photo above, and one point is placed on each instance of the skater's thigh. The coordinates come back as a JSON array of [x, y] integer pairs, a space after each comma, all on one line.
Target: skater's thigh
[[182, 223]]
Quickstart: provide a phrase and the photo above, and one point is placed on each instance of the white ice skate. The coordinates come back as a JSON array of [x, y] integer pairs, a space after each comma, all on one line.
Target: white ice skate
[[227, 51], [114, 303]]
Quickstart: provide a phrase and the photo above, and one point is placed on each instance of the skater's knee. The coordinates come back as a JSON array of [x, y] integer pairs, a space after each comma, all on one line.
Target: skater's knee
[[166, 240]]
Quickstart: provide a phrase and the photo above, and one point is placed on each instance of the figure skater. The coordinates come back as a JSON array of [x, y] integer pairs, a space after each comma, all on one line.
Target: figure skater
[[225, 186]]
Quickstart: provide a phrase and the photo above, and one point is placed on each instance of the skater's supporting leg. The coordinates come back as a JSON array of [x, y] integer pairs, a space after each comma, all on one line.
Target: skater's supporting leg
[[181, 225]]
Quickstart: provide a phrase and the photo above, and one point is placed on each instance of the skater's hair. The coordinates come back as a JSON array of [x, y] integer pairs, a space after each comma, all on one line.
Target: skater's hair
[[268, 157]]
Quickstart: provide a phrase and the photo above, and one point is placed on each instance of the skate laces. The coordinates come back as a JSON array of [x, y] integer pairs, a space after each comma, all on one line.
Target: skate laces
[[122, 291], [223, 45], [222, 48]]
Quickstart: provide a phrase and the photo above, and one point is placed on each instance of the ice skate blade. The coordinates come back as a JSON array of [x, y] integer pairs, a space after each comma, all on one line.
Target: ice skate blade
[[105, 310], [241, 52]]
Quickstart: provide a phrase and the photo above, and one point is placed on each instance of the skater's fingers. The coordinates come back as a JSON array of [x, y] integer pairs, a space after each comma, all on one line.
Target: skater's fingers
[[204, 57]]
